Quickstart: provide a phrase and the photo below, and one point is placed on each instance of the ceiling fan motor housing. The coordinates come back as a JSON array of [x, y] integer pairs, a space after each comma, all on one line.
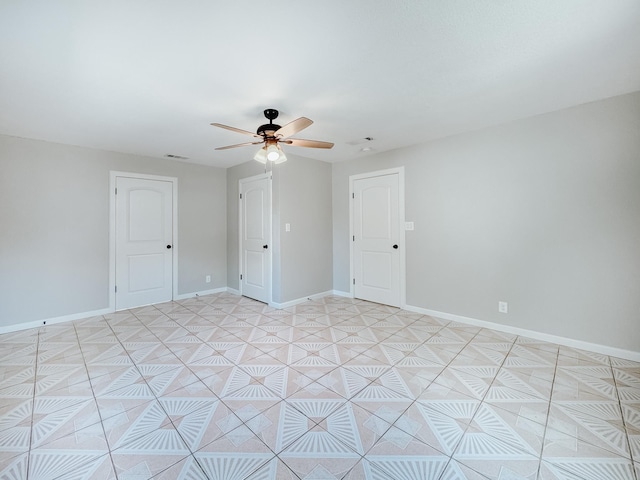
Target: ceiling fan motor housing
[[271, 114], [267, 127]]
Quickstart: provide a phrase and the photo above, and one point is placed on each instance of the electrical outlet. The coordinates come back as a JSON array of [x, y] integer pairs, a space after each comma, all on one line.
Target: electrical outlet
[[207, 279], [287, 227], [503, 307]]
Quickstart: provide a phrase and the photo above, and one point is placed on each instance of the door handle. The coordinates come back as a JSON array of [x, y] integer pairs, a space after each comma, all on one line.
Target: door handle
[[168, 247], [395, 246], [265, 246]]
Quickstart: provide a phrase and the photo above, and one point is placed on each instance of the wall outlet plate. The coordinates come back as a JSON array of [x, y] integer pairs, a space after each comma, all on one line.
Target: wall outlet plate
[[207, 279], [408, 225], [503, 307]]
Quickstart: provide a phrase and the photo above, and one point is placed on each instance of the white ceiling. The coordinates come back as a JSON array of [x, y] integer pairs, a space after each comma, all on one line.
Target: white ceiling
[[148, 76]]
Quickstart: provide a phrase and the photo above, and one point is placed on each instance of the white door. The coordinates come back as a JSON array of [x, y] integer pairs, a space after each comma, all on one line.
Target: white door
[[255, 238], [144, 243], [376, 239]]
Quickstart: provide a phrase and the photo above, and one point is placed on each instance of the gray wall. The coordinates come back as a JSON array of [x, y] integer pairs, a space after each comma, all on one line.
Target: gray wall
[[302, 258], [306, 252], [54, 249], [543, 213]]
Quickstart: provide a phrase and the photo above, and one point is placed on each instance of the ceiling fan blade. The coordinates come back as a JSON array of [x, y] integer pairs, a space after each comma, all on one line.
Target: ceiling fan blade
[[299, 142], [294, 127], [239, 145], [234, 129]]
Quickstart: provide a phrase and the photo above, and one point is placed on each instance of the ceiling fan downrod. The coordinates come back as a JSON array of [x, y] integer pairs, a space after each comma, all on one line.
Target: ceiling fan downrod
[[271, 114]]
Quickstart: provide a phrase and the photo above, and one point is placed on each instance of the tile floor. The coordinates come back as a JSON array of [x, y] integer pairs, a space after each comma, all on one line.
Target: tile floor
[[223, 387]]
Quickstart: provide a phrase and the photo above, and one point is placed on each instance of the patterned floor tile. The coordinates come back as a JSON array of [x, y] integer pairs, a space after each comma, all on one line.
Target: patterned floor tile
[[313, 354], [149, 455], [166, 379], [439, 423], [370, 383], [418, 379], [495, 444], [81, 465], [478, 355], [271, 334], [16, 437], [606, 429], [186, 469], [274, 469], [631, 414], [105, 379], [320, 390], [628, 385], [49, 422], [14, 467], [232, 465], [240, 438], [307, 424], [256, 382], [321, 467], [580, 387], [18, 392], [564, 453], [518, 403], [201, 426], [372, 426], [497, 465], [222, 386], [473, 381], [440, 353], [130, 425], [535, 343], [368, 358], [215, 377], [458, 471], [521, 356], [424, 463]]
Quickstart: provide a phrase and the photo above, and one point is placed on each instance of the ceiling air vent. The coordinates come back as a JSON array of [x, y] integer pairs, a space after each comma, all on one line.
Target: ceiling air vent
[[176, 157]]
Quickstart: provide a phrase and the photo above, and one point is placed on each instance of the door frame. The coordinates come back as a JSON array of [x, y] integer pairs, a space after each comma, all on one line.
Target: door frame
[[401, 227], [112, 230], [268, 176]]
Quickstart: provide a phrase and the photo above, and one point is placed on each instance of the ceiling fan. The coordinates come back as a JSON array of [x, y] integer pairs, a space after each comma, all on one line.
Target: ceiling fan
[[272, 135]]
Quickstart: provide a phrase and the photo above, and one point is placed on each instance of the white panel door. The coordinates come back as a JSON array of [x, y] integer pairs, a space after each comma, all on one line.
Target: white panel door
[[144, 231], [255, 213], [376, 229]]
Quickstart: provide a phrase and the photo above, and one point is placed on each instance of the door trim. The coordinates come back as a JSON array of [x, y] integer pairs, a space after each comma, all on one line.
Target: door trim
[[112, 229], [401, 215], [260, 176]]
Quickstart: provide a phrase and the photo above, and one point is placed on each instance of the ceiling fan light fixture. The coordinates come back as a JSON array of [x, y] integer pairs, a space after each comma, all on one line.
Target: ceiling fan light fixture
[[282, 158], [261, 155], [273, 153]]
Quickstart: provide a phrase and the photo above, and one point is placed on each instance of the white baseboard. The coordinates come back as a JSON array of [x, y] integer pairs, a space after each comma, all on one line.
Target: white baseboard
[[545, 337], [184, 296], [233, 291], [93, 313], [298, 301], [54, 320], [339, 293]]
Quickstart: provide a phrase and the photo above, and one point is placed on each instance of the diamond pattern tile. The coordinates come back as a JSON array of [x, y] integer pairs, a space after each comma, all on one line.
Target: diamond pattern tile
[[225, 387]]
